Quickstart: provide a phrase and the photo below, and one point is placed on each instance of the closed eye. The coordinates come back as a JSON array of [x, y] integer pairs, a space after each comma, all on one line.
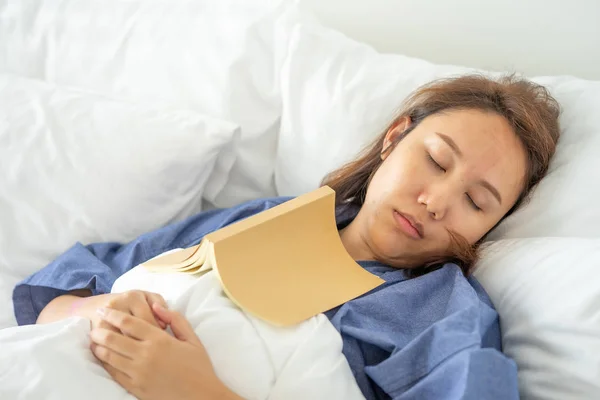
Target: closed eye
[[435, 163], [473, 204]]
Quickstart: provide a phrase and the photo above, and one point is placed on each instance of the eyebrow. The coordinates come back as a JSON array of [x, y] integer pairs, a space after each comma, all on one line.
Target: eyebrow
[[492, 190], [459, 153], [450, 143]]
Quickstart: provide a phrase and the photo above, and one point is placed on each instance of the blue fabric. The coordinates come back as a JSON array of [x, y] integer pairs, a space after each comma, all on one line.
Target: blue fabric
[[432, 337]]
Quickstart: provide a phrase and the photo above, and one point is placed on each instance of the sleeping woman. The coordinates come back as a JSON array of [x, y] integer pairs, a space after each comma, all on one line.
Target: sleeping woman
[[461, 155]]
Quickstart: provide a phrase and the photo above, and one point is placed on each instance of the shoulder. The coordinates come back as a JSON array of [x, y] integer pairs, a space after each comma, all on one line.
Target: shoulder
[[465, 289], [447, 285]]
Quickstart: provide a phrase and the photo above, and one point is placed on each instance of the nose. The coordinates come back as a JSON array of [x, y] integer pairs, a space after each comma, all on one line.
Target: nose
[[435, 211], [436, 200]]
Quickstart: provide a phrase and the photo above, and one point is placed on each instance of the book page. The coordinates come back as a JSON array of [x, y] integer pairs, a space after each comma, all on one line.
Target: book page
[[181, 260]]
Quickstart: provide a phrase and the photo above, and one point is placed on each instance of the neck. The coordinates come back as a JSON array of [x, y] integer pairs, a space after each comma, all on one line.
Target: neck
[[354, 243]]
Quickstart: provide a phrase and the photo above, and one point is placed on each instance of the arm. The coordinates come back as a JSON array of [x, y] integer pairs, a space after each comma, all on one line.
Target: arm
[[95, 267], [63, 306]]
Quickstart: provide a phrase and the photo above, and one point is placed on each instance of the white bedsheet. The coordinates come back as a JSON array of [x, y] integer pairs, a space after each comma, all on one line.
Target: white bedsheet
[[255, 359]]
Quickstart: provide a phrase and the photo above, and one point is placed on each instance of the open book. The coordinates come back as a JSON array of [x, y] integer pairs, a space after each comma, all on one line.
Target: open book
[[283, 265]]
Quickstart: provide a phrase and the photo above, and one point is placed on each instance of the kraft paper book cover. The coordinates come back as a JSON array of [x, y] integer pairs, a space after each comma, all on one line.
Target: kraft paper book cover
[[283, 265]]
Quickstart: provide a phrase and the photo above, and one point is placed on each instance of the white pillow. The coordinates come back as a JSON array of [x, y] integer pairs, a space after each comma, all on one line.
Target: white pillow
[[338, 95], [81, 167], [547, 292], [217, 57], [564, 204]]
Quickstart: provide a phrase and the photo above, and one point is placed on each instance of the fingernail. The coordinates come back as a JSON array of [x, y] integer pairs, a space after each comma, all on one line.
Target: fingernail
[[101, 312]]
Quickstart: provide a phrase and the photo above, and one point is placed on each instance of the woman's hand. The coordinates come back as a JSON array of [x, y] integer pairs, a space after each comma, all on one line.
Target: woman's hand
[[151, 364], [134, 302]]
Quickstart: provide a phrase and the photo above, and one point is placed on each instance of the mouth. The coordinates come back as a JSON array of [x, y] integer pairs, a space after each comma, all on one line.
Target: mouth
[[409, 225]]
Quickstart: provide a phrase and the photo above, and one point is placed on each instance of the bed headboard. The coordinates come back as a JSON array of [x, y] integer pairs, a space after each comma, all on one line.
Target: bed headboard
[[535, 37]]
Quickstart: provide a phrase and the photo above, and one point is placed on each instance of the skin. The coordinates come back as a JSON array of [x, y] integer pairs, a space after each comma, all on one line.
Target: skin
[[422, 175]]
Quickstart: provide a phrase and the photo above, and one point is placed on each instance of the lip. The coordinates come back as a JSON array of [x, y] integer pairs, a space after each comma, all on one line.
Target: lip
[[409, 225]]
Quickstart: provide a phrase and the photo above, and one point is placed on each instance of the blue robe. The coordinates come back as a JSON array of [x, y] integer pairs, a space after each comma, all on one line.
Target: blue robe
[[432, 337]]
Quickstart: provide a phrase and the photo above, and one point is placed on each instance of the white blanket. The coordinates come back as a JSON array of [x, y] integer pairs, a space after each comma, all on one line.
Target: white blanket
[[253, 358]]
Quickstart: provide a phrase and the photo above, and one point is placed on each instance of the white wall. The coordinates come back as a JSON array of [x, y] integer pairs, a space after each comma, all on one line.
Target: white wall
[[536, 37]]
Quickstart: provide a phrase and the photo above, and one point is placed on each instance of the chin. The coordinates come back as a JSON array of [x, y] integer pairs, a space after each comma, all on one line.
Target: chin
[[397, 251], [392, 250]]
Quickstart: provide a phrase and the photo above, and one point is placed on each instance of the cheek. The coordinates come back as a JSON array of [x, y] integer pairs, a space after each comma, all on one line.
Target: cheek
[[399, 173]]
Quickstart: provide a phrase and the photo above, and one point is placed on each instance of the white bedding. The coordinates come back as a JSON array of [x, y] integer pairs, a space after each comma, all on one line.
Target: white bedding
[[253, 358]]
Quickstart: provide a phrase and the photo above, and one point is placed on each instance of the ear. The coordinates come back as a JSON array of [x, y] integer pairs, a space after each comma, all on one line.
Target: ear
[[391, 137]]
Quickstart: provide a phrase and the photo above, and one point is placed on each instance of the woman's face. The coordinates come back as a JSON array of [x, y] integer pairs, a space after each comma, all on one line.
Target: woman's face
[[461, 170]]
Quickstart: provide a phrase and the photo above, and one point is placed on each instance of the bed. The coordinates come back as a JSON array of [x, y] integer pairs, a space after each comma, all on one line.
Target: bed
[[120, 116]]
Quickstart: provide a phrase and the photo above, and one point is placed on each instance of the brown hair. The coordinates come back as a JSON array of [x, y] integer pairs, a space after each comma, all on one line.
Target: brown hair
[[528, 107]]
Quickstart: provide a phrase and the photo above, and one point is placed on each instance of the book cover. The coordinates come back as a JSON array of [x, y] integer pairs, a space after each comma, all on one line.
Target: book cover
[[283, 265]]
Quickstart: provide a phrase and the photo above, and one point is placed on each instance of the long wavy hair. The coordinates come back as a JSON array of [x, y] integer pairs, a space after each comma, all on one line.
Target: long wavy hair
[[528, 107]]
